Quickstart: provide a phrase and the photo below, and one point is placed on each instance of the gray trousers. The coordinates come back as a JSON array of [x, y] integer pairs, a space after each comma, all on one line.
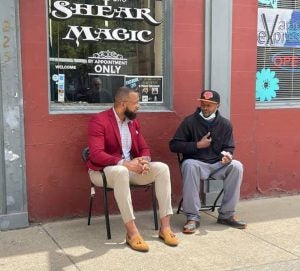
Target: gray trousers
[[193, 171]]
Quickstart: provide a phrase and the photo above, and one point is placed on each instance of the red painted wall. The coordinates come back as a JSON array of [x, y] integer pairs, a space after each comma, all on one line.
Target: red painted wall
[[57, 181], [268, 140]]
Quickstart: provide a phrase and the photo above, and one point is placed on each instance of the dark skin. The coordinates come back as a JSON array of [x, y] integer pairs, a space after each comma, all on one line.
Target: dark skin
[[208, 108]]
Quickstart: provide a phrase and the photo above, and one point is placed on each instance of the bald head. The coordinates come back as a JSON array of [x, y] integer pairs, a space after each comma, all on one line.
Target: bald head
[[122, 94]]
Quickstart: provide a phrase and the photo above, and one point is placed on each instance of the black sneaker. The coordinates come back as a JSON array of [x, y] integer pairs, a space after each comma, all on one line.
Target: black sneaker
[[232, 222]]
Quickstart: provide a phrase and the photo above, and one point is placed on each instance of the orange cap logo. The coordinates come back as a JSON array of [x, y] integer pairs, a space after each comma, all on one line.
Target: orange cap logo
[[208, 95]]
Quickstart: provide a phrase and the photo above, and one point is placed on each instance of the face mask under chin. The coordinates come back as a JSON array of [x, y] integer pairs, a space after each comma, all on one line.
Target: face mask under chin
[[210, 117]]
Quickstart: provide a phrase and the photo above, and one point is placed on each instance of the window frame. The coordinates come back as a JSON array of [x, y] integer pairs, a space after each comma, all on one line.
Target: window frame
[[274, 104], [167, 75]]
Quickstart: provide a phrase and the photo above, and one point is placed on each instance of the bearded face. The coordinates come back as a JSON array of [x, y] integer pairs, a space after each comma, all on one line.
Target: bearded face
[[130, 114]]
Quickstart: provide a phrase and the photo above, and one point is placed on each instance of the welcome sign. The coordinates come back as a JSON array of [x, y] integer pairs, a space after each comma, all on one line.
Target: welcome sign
[[278, 28]]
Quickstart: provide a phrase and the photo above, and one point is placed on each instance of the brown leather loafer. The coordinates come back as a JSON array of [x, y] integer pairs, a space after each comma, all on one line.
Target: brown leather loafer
[[137, 243], [232, 222], [168, 237]]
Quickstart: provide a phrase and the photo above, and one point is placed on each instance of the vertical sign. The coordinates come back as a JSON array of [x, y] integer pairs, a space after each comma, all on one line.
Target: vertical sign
[[61, 88]]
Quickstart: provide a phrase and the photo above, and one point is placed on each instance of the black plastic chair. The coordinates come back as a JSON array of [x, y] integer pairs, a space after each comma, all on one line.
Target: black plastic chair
[[209, 188], [85, 154]]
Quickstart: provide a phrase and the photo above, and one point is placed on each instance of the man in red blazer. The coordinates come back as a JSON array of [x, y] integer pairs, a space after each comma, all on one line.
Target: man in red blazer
[[118, 147]]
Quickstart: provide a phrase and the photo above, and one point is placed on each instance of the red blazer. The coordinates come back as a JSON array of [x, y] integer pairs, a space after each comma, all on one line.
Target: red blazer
[[104, 140]]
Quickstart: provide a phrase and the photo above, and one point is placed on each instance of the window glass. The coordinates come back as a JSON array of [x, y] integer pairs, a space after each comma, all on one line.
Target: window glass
[[97, 46], [278, 54]]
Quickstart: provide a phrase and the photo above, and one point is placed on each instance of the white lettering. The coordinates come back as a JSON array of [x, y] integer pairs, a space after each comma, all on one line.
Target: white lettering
[[86, 30], [141, 38], [145, 13], [119, 34], [103, 32], [125, 11], [106, 12], [65, 67], [62, 7], [81, 9], [98, 68], [107, 69]]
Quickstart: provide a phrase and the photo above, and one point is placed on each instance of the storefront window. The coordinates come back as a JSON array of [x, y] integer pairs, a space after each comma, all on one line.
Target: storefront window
[[278, 54], [97, 46]]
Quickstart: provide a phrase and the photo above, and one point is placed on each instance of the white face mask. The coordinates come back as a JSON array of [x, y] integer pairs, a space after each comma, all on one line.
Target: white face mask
[[211, 117]]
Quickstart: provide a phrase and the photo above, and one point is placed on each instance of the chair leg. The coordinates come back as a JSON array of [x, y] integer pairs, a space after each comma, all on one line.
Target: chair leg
[[154, 206], [90, 209], [215, 203], [179, 206], [108, 233]]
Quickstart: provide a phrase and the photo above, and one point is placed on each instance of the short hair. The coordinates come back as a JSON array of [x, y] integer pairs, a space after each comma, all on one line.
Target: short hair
[[95, 79], [122, 93]]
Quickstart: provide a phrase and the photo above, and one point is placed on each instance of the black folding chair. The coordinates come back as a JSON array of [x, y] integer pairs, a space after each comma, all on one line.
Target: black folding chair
[[211, 190], [151, 186]]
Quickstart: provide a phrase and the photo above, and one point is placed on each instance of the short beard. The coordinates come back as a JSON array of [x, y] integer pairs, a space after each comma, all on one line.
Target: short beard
[[129, 114]]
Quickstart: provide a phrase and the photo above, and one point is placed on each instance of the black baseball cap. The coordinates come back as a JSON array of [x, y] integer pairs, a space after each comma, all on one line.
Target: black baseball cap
[[210, 96]]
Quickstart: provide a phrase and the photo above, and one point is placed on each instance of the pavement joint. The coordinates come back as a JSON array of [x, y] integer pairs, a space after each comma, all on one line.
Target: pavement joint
[[60, 247]]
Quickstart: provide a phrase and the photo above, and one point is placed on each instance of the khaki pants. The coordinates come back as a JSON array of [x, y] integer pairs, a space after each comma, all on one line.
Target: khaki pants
[[119, 178]]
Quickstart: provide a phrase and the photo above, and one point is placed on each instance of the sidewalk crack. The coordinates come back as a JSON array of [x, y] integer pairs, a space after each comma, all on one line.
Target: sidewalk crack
[[61, 248], [270, 243]]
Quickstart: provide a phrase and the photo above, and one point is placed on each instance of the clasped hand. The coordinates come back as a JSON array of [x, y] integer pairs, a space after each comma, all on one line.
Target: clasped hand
[[138, 165]]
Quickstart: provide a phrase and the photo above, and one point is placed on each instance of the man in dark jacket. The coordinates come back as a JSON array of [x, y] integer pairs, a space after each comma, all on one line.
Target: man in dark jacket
[[206, 142]]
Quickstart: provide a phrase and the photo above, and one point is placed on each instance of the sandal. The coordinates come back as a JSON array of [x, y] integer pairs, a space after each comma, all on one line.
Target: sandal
[[190, 226]]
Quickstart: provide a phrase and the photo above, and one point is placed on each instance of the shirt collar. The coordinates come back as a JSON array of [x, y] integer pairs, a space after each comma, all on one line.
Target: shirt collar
[[127, 120]]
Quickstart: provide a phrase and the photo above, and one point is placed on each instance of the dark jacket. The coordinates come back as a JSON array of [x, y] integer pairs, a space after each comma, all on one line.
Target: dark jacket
[[193, 128]]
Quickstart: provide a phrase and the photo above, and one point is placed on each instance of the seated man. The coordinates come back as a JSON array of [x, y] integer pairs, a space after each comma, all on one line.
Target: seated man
[[205, 139], [118, 147]]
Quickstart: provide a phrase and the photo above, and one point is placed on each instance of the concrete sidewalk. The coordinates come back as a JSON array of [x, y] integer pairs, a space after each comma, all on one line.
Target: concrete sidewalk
[[271, 242]]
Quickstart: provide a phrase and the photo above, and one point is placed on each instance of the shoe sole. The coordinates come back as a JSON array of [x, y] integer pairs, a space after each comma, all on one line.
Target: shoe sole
[[171, 245], [191, 231], [139, 250], [232, 226]]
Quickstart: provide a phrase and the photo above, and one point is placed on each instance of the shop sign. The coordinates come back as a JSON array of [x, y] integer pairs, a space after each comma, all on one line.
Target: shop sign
[[64, 10], [107, 62], [278, 27], [287, 61], [149, 87]]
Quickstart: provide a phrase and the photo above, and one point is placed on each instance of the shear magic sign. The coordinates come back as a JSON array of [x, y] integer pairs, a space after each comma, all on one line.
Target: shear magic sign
[[64, 10]]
